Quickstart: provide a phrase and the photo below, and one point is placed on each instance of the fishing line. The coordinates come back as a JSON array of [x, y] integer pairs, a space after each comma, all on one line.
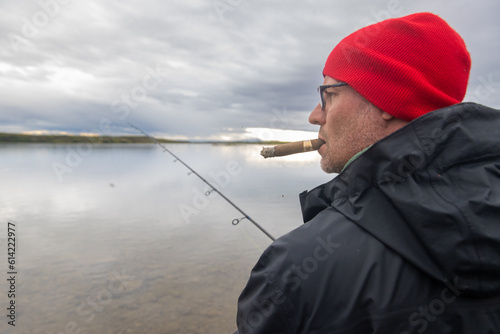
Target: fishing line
[[212, 188], [251, 240]]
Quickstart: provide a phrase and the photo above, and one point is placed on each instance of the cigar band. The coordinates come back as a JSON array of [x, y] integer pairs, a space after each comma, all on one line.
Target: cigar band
[[308, 146]]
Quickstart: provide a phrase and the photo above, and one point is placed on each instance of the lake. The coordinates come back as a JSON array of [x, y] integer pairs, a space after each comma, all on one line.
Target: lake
[[120, 239]]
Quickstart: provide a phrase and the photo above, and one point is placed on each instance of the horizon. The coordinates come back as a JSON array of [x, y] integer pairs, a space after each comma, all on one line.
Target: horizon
[[261, 135]]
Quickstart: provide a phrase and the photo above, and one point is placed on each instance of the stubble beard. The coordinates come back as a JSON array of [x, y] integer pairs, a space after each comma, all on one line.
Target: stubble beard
[[330, 165], [350, 140]]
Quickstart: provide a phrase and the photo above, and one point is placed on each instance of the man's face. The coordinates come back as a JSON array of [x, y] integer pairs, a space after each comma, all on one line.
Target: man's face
[[348, 125]]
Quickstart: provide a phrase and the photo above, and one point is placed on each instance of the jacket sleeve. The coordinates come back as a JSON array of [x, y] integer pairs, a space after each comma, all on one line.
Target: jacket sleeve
[[263, 306]]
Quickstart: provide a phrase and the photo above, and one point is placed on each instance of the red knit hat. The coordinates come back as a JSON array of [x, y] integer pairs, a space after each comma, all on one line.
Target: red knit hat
[[406, 66]]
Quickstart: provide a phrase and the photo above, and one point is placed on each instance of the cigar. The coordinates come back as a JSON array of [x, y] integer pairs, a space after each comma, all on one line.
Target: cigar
[[291, 148]]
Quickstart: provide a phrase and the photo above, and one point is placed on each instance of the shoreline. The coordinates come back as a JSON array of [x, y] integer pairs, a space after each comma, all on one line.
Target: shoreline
[[77, 139]]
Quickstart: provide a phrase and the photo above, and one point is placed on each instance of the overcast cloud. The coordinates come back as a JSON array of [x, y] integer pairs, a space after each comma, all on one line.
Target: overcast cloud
[[197, 68]]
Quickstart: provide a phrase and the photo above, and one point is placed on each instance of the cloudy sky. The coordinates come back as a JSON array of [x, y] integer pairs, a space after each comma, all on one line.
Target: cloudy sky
[[215, 69]]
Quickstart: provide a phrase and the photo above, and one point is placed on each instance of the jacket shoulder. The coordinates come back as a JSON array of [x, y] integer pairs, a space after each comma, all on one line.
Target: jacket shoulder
[[320, 274]]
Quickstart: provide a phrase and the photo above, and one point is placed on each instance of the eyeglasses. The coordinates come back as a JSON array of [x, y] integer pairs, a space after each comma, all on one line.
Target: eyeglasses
[[321, 90]]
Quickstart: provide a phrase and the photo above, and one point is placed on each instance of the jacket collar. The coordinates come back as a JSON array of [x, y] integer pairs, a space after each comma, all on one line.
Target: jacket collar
[[432, 178]]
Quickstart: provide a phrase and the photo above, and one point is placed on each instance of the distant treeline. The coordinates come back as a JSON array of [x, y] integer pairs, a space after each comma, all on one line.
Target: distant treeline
[[73, 139]]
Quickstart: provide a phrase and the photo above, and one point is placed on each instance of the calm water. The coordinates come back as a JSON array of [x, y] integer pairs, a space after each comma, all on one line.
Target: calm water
[[120, 239]]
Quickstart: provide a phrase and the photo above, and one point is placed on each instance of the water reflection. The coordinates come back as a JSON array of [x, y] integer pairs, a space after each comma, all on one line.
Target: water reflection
[[109, 249]]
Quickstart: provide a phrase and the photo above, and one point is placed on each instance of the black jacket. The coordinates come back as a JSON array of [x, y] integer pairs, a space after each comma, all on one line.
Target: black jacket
[[405, 240]]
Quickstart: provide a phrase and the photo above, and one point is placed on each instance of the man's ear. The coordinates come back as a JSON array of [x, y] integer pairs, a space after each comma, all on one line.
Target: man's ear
[[386, 116], [392, 122]]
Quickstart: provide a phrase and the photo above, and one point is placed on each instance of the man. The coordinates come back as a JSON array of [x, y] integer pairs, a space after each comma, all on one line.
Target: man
[[406, 239]]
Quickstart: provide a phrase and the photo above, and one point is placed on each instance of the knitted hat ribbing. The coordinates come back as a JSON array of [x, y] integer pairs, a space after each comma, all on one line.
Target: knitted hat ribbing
[[405, 66]]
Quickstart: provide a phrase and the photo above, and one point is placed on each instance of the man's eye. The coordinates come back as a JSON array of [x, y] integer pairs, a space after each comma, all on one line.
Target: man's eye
[[329, 95]]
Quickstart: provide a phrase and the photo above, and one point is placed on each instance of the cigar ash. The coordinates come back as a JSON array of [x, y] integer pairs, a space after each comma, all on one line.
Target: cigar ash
[[268, 152]]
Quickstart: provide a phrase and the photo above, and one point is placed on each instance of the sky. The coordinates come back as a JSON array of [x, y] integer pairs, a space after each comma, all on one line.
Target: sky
[[198, 69]]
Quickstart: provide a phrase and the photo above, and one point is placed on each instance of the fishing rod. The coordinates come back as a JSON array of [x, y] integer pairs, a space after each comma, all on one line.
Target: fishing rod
[[213, 189]]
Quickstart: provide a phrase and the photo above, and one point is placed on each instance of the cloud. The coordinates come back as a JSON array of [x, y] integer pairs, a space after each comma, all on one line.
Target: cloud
[[224, 66]]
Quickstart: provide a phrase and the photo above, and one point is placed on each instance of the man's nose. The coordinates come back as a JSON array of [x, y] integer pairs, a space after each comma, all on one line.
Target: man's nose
[[317, 116]]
